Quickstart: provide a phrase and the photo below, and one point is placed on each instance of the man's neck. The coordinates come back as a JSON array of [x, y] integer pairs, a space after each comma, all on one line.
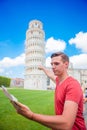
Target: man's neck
[[63, 78]]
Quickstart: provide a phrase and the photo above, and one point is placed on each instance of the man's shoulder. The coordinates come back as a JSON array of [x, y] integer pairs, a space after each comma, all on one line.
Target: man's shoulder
[[72, 79]]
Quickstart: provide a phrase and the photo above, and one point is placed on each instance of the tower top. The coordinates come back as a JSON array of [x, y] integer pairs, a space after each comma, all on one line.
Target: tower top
[[36, 24]]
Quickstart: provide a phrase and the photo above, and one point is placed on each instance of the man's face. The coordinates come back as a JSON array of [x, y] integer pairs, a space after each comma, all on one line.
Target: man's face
[[58, 66]]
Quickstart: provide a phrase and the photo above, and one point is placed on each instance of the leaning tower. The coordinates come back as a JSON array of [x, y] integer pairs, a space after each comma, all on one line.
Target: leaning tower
[[35, 79]]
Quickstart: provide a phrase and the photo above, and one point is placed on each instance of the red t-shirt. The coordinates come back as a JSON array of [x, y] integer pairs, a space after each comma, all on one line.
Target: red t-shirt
[[71, 90]]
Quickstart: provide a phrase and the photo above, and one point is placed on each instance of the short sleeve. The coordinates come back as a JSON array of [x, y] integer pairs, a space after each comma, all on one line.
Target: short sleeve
[[74, 92]]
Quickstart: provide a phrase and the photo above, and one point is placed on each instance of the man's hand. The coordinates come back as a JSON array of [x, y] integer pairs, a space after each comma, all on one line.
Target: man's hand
[[40, 67], [23, 110], [84, 100], [48, 72]]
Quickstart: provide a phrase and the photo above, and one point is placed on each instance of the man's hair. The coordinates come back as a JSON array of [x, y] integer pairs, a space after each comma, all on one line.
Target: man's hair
[[63, 56]]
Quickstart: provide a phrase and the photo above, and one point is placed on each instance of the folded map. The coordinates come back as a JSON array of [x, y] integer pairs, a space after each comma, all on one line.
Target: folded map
[[10, 96]]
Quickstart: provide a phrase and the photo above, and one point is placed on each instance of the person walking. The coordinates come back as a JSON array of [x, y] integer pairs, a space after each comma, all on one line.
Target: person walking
[[68, 98]]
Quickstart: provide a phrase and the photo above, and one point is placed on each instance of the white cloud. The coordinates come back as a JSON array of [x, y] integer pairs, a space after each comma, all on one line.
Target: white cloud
[[7, 62], [12, 67], [1, 70], [79, 61], [53, 45], [48, 61], [8, 73], [80, 41]]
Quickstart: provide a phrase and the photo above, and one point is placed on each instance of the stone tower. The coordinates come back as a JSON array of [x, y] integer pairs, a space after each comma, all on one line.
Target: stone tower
[[35, 79]]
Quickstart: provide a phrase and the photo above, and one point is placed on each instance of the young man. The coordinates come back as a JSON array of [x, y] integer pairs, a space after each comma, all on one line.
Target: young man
[[68, 99]]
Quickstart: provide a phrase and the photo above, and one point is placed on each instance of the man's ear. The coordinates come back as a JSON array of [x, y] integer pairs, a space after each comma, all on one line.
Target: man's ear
[[67, 64]]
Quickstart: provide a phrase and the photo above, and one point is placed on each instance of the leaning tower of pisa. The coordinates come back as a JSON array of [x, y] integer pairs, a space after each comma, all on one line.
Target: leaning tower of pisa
[[34, 56]]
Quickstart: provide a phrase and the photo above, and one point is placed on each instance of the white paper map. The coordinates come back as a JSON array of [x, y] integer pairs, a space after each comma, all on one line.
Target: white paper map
[[10, 96]]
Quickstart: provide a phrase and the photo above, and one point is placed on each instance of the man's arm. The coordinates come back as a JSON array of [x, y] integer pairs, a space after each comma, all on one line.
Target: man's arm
[[57, 122], [48, 72]]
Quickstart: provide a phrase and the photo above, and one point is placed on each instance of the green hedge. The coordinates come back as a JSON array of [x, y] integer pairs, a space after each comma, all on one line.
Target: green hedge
[[5, 81]]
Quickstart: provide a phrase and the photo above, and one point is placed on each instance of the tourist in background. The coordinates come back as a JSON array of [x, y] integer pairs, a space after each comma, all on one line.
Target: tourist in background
[[84, 95]]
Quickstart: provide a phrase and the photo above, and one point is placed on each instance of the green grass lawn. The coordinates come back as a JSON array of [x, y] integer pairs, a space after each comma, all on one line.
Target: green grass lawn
[[38, 101]]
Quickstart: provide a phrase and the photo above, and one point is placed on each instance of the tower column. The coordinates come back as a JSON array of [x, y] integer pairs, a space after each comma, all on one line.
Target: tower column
[[34, 56]]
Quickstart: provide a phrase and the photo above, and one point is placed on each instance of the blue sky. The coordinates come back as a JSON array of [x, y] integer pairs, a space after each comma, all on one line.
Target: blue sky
[[64, 23]]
